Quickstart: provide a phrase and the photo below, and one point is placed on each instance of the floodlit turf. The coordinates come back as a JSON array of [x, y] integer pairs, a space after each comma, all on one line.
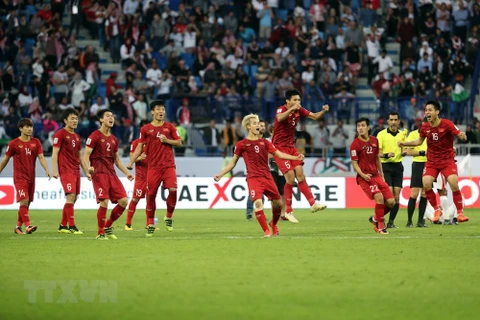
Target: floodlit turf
[[215, 265]]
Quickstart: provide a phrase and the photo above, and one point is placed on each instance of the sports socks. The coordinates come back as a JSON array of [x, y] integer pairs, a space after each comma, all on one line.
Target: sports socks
[[432, 198], [288, 192], [101, 217], [305, 190], [114, 215], [171, 203], [262, 220], [132, 207]]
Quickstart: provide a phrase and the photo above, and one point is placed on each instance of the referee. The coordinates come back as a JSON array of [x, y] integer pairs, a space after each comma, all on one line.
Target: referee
[[391, 158], [416, 186]]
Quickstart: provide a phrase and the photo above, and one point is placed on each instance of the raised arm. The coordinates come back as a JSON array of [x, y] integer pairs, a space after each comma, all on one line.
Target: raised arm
[[413, 143], [44, 164], [318, 115], [284, 115], [229, 167], [175, 143]]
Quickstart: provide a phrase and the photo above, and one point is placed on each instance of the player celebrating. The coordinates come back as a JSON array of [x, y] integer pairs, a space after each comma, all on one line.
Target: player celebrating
[[286, 120], [416, 186], [364, 152], [140, 187], [160, 136], [24, 150], [66, 162], [101, 153], [391, 158], [440, 135], [255, 153]]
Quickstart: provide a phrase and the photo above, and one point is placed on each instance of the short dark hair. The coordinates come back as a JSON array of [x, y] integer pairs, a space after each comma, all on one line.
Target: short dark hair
[[394, 113], [291, 92], [156, 103], [25, 122], [261, 120], [101, 113], [434, 103], [67, 112], [363, 119]]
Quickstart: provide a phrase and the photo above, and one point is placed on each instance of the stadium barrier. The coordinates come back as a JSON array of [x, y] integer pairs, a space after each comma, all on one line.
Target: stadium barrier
[[229, 193]]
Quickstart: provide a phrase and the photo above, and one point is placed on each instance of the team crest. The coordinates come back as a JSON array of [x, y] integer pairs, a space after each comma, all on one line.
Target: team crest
[[248, 145], [103, 140], [165, 130], [20, 146], [374, 145], [151, 130], [428, 131], [262, 144], [68, 137], [441, 130]]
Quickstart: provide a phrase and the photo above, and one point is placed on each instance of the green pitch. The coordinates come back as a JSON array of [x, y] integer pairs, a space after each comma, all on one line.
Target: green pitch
[[215, 265]]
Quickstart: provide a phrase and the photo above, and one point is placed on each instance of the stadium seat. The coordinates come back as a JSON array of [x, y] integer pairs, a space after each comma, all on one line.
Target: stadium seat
[[246, 68], [198, 80], [282, 14], [174, 4], [188, 58]]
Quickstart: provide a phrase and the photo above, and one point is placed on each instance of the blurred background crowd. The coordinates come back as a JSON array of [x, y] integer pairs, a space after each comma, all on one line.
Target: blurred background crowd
[[214, 61]]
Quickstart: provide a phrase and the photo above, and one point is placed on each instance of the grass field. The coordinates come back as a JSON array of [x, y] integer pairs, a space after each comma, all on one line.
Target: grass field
[[215, 265]]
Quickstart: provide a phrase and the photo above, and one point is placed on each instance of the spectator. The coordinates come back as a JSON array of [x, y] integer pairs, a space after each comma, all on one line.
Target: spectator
[[212, 138], [265, 15], [320, 140], [96, 107], [385, 63], [354, 34], [229, 136], [460, 17], [183, 114], [425, 62], [79, 87], [270, 88], [60, 81], [339, 140]]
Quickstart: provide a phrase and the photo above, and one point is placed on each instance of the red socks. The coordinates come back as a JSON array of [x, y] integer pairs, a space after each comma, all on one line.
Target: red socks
[[262, 220], [19, 220], [114, 215], [69, 213], [151, 207], [305, 190], [276, 211], [171, 203], [132, 207], [288, 192], [101, 217], [64, 221], [379, 214], [23, 213], [458, 200], [432, 198]]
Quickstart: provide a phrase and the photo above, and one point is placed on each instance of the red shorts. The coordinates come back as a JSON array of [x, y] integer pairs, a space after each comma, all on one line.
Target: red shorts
[[262, 185], [155, 177], [287, 165], [25, 190], [374, 186], [140, 188], [70, 183], [107, 186], [446, 170]]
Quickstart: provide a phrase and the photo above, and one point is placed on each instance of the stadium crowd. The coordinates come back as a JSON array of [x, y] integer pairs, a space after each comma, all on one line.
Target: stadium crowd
[[220, 59]]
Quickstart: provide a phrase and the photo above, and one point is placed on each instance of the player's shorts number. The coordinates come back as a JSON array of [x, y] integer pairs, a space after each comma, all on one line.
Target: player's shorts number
[[69, 185], [138, 192], [374, 188], [287, 164], [252, 193], [100, 192]]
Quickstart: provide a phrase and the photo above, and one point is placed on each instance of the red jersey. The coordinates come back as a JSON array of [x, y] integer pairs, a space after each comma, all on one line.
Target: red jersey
[[284, 132], [140, 166], [440, 142], [69, 153], [366, 153], [24, 157], [102, 158], [255, 153], [159, 154]]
